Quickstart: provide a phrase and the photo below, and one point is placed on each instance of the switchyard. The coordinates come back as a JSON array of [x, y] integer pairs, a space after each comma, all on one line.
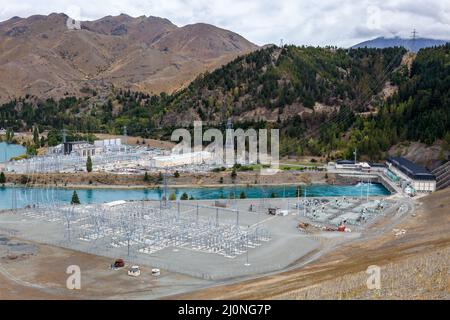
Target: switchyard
[[196, 238], [108, 162]]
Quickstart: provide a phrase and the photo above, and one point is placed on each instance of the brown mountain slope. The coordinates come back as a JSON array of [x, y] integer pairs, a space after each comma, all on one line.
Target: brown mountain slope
[[40, 56]]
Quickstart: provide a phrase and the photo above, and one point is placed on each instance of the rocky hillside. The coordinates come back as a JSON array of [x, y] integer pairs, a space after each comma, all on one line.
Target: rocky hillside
[[278, 84], [275, 85], [418, 112], [41, 56], [325, 101]]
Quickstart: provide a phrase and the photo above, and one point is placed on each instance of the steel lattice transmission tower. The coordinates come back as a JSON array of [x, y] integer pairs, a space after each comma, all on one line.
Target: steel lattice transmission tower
[[414, 34]]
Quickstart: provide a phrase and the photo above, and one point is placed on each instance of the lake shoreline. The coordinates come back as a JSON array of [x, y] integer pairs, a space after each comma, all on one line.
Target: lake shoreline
[[98, 180], [172, 186], [9, 151], [104, 179], [20, 196]]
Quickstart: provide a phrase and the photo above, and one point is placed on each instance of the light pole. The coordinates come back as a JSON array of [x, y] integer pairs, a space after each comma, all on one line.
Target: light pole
[[247, 263], [304, 204]]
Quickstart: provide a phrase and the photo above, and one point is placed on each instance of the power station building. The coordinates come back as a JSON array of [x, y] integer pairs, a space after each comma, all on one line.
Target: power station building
[[85, 149], [175, 160], [409, 174]]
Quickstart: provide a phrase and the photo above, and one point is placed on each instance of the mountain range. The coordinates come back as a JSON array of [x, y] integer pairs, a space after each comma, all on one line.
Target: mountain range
[[409, 44], [325, 101], [41, 56]]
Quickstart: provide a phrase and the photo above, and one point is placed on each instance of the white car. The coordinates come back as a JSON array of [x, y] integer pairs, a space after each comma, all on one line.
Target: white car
[[156, 272], [134, 271]]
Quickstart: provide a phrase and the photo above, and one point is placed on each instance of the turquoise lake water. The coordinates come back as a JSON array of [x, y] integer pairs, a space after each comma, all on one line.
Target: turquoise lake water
[[8, 151], [27, 196]]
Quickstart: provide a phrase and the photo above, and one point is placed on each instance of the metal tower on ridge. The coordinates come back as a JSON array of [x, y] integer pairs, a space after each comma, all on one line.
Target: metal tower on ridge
[[414, 34]]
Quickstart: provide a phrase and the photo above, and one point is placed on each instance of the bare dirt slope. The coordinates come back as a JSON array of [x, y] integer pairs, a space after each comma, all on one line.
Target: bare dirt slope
[[427, 236], [36, 271], [40, 56]]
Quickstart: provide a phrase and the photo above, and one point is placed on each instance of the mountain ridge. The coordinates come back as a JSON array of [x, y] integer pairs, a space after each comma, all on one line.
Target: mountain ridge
[[40, 56], [325, 101], [409, 44]]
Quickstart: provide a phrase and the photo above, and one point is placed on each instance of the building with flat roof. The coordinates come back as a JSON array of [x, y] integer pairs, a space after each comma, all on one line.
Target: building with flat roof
[[174, 160], [79, 148], [414, 175], [85, 148], [351, 165]]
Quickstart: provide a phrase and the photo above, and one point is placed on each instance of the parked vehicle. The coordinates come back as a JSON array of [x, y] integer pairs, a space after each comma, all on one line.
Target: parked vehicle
[[134, 271], [156, 272], [119, 263]]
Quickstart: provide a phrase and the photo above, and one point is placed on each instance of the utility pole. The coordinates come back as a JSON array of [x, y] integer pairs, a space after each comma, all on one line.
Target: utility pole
[[125, 137], [247, 263], [235, 196], [217, 217], [362, 186], [14, 198], [165, 190], [304, 204], [197, 214]]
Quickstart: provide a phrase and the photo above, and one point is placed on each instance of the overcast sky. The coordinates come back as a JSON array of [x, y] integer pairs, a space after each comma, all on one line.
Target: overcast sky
[[334, 22]]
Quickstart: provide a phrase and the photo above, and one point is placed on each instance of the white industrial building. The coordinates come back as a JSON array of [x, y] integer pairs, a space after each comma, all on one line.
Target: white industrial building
[[175, 160], [409, 174], [350, 165], [85, 149], [109, 144]]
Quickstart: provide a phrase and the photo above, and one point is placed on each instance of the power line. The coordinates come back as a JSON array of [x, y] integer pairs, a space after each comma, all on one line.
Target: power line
[[340, 118]]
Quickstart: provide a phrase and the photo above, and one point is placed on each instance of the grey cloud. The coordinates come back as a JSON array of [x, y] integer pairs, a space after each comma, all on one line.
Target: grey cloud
[[337, 22]]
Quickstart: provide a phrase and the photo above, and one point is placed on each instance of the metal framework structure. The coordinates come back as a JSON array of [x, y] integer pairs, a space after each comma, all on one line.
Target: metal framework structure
[[143, 228], [69, 163], [350, 210]]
